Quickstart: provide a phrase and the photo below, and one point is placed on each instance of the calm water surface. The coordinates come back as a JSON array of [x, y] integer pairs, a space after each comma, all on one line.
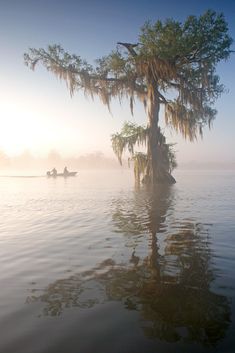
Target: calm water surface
[[92, 264]]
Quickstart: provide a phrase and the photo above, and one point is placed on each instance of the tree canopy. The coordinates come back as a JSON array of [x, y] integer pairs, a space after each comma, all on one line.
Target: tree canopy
[[172, 65]]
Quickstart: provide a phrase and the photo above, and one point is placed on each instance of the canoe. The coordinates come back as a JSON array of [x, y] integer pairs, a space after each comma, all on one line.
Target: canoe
[[69, 174]]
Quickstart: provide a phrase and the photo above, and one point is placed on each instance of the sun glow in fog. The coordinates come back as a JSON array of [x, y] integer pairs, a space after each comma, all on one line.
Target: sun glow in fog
[[40, 120], [36, 127], [20, 129]]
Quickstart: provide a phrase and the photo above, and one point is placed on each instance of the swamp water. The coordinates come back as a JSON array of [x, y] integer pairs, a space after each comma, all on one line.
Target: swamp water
[[92, 264]]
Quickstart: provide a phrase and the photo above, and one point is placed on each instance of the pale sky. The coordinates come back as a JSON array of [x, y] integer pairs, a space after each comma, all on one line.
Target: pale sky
[[36, 111]]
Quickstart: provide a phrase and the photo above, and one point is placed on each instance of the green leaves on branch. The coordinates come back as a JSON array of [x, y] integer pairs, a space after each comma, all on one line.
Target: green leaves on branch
[[65, 66], [133, 135], [130, 136], [173, 66], [203, 38], [173, 58]]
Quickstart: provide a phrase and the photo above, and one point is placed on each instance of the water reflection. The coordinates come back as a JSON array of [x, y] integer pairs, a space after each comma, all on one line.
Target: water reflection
[[170, 285]]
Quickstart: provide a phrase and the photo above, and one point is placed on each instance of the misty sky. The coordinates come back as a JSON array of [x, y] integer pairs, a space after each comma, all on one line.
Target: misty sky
[[36, 111]]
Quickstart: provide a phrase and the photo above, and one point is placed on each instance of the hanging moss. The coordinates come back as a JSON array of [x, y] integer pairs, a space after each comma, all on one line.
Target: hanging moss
[[140, 165], [132, 136], [171, 59]]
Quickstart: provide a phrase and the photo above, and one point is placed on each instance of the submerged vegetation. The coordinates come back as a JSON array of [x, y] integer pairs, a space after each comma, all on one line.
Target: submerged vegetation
[[173, 65]]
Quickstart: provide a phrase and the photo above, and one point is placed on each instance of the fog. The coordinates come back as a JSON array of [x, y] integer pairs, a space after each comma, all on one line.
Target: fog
[[28, 163]]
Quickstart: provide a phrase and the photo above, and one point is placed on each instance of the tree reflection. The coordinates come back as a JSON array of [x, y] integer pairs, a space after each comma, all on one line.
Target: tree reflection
[[170, 286]]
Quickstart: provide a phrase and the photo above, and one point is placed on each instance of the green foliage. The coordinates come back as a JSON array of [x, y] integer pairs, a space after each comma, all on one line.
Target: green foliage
[[132, 135], [198, 39], [171, 59], [171, 55], [140, 165], [62, 64], [192, 50]]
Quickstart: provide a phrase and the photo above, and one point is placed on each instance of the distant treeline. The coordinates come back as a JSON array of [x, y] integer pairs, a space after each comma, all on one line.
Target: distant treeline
[[96, 160], [27, 161]]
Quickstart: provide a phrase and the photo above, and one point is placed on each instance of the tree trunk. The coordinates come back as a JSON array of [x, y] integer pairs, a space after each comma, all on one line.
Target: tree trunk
[[156, 173]]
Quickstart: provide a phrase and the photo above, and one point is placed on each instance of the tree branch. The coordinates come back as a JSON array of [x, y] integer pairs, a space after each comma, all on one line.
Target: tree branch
[[130, 47]]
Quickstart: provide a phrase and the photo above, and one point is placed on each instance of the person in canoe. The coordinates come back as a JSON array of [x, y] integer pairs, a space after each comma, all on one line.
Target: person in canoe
[[66, 172], [54, 172]]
